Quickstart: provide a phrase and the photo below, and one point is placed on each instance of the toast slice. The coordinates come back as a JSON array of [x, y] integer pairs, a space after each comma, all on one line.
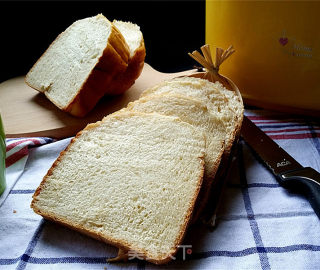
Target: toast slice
[[78, 67], [130, 180], [194, 112], [220, 101]]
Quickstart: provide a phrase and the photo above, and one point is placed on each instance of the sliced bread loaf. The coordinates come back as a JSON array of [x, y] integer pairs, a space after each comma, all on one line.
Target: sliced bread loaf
[[130, 180], [78, 67], [194, 112], [134, 38]]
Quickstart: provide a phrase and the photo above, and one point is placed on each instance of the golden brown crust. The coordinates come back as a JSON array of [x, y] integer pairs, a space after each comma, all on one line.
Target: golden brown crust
[[124, 81], [99, 236]]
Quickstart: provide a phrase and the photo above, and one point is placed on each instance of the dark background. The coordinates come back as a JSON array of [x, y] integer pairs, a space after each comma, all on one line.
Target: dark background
[[171, 29]]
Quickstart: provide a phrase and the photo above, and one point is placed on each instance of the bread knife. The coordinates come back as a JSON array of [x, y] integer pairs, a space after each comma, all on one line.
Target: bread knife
[[289, 173]]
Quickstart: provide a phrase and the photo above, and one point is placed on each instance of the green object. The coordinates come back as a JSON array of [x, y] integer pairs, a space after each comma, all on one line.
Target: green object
[[2, 159]]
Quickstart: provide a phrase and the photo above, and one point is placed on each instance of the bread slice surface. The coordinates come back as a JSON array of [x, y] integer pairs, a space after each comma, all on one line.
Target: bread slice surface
[[130, 180], [220, 101], [196, 113], [132, 34]]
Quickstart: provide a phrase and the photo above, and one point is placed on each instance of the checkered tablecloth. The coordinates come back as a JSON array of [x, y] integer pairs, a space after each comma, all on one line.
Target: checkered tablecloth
[[260, 225]]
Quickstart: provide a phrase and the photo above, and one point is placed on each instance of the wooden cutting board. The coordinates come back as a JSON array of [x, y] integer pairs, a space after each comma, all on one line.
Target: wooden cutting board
[[26, 112]]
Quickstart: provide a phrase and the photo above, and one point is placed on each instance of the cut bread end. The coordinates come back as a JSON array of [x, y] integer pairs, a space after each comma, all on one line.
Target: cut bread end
[[134, 38], [76, 69]]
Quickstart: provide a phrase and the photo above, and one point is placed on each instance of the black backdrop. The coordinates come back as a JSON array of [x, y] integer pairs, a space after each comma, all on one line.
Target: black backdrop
[[171, 29]]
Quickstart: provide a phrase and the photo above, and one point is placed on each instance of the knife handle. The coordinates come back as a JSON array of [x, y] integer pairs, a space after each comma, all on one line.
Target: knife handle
[[306, 180]]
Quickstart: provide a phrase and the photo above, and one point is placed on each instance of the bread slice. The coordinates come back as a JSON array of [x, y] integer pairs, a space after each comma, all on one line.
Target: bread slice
[[194, 112], [130, 180], [220, 101], [134, 38], [77, 68]]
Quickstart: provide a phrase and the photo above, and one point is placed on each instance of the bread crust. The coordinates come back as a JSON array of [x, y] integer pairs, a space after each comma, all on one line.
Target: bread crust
[[107, 239], [124, 81], [204, 193]]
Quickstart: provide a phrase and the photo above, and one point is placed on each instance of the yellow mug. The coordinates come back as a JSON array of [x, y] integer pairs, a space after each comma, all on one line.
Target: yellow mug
[[277, 59]]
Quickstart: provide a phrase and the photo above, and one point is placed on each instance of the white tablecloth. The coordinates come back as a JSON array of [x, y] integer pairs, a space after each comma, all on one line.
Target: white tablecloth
[[260, 225]]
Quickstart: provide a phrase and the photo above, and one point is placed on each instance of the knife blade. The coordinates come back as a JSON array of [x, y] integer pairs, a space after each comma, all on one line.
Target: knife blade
[[289, 173]]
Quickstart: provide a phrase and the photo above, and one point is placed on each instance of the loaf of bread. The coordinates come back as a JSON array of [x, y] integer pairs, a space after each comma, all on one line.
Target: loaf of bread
[[86, 62], [130, 180], [140, 176]]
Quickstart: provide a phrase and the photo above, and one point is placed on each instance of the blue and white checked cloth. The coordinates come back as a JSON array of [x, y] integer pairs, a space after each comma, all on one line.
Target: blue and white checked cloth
[[260, 225]]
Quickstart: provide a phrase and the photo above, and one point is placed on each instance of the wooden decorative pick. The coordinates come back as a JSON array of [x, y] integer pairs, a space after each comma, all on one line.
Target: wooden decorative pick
[[212, 68]]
